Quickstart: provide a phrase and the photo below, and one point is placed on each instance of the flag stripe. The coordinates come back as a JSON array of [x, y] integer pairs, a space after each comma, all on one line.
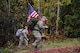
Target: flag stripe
[[36, 15], [32, 13]]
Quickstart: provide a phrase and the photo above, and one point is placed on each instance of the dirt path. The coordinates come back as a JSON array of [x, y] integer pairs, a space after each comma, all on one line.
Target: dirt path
[[74, 49], [66, 46], [68, 49]]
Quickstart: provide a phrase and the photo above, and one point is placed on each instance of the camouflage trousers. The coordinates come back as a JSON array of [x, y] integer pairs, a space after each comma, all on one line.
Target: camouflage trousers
[[23, 38], [38, 37]]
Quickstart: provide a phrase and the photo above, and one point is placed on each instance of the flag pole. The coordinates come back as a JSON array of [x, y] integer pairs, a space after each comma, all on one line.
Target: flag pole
[[32, 12], [28, 2]]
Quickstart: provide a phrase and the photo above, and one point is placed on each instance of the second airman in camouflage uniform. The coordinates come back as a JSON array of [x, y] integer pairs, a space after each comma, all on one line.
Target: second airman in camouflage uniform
[[37, 32]]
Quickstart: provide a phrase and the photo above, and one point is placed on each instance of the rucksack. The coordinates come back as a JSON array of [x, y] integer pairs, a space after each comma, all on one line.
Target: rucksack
[[19, 32], [32, 23]]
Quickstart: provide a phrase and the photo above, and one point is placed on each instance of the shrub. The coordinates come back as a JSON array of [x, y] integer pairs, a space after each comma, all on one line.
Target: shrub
[[4, 50]]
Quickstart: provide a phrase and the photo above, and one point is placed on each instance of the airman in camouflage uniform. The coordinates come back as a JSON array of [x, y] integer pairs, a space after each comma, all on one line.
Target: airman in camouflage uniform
[[37, 32], [23, 36]]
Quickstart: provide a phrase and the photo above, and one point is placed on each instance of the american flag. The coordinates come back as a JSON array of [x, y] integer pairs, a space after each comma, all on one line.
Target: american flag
[[32, 13]]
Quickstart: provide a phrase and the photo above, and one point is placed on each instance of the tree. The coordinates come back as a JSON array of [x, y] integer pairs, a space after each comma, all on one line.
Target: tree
[[69, 15]]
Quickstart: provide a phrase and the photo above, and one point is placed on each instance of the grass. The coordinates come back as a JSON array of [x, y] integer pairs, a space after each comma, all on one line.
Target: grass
[[60, 43], [47, 44], [4, 50], [21, 51]]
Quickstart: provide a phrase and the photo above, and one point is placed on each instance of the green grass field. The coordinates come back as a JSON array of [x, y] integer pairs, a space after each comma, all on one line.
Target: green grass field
[[60, 43], [45, 44], [49, 44]]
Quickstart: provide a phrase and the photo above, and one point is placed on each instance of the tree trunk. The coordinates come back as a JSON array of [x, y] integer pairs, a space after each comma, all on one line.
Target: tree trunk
[[58, 11]]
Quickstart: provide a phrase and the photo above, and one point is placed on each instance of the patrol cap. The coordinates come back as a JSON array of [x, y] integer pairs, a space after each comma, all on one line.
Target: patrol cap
[[44, 17]]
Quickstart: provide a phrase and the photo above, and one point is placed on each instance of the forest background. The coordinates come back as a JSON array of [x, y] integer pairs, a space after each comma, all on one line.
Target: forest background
[[13, 15]]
